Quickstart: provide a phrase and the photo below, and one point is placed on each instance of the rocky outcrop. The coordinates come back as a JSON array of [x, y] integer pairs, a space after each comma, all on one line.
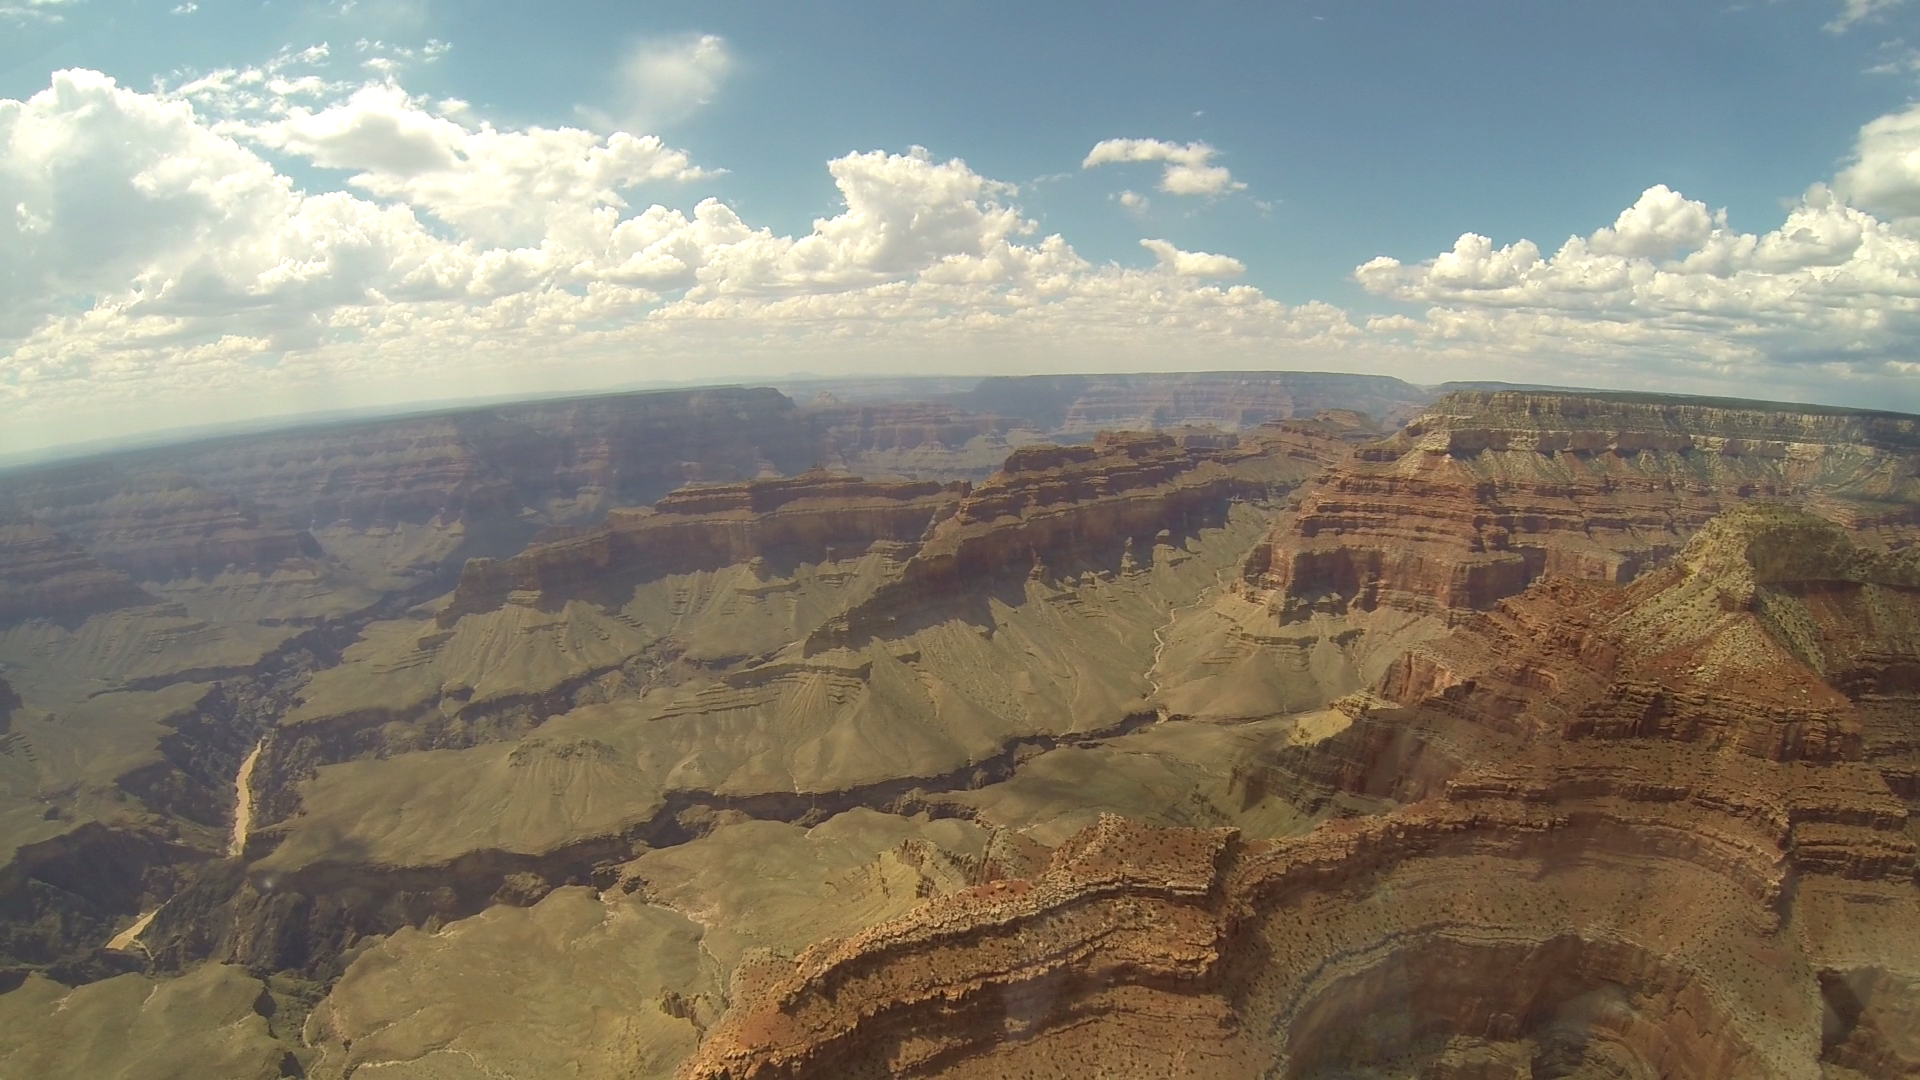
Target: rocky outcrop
[[44, 575], [551, 457], [1051, 508], [1232, 400], [855, 432], [1594, 810], [1126, 922], [1488, 491], [809, 517], [155, 526]]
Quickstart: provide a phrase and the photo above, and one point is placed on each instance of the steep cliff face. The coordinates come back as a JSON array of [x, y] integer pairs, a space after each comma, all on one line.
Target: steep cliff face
[[807, 518], [1581, 862], [157, 525], [631, 449], [1485, 492], [43, 575], [1051, 508], [558, 458], [1233, 400], [400, 470]]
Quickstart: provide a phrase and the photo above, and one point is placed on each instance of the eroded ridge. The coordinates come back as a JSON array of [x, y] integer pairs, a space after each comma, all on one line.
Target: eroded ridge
[[1647, 831], [1488, 491], [1052, 507]]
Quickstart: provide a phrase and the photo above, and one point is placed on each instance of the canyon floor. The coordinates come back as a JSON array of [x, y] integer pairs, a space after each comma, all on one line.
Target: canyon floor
[[1223, 725]]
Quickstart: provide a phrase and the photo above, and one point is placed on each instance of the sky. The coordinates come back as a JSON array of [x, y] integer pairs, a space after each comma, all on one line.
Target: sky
[[216, 212]]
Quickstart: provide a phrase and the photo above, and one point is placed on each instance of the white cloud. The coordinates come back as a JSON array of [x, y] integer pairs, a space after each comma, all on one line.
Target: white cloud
[[1885, 174], [497, 186], [1135, 201], [22, 11], [155, 256], [1189, 168], [666, 80], [1660, 223], [1832, 294], [187, 8], [1197, 264], [155, 263], [1853, 12]]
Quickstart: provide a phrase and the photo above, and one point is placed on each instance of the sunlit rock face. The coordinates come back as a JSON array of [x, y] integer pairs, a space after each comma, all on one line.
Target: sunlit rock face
[[1487, 492], [719, 733], [1620, 832]]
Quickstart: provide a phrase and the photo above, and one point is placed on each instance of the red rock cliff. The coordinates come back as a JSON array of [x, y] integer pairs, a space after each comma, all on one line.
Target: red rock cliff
[[814, 515], [1600, 810], [1487, 491]]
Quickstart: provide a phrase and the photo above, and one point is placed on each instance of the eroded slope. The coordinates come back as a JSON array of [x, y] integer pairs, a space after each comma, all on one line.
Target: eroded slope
[[1624, 832]]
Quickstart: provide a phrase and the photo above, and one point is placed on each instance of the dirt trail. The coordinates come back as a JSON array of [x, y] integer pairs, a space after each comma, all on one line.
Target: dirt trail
[[129, 938], [243, 802]]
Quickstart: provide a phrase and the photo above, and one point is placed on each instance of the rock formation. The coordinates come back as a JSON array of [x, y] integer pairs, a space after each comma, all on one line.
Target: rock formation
[[155, 525], [43, 575], [929, 440], [807, 518], [1232, 400], [1488, 491], [1059, 506], [1548, 774], [920, 730]]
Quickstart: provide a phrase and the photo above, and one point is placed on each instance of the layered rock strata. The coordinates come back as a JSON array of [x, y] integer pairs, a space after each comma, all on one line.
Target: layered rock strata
[[1629, 832], [1232, 400], [44, 575], [803, 518], [156, 525], [1056, 506], [917, 439], [1487, 491]]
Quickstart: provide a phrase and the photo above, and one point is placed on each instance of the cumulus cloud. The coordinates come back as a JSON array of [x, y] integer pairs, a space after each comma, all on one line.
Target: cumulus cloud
[[1197, 264], [1885, 174], [22, 11], [1189, 168], [1661, 222], [665, 80], [498, 186], [1853, 12], [1832, 293], [155, 255], [154, 252]]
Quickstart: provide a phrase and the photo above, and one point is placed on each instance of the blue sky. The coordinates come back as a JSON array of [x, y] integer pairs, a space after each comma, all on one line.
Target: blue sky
[[315, 205]]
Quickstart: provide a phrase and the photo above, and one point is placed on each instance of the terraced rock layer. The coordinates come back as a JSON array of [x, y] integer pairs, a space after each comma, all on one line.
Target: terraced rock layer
[[609, 686], [45, 575], [1487, 491], [801, 518], [1231, 400], [1053, 506], [1632, 832]]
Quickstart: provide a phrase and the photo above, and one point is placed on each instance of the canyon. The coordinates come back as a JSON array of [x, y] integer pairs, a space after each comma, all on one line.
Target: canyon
[[1218, 725]]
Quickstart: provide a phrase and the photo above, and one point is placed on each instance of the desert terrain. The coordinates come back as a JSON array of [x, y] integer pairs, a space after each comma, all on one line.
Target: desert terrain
[[1224, 725]]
